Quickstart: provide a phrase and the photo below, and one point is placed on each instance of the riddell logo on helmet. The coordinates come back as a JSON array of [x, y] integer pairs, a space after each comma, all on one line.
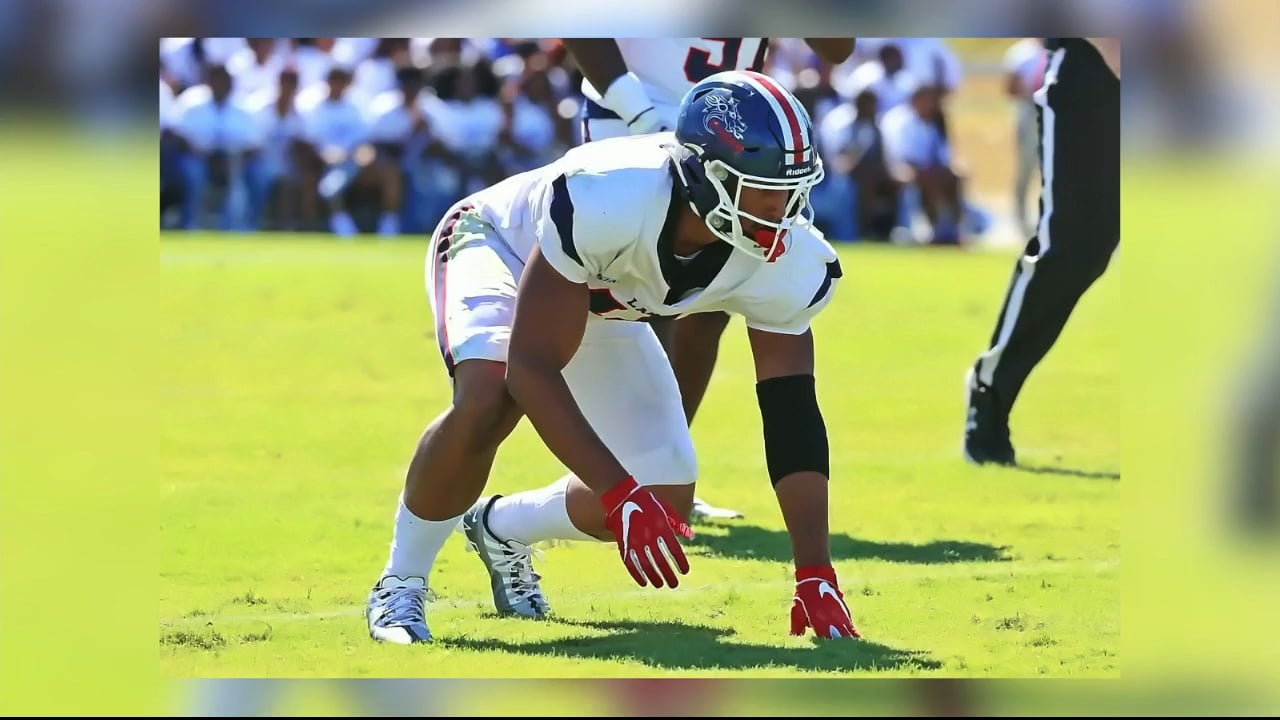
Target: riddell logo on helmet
[[798, 171]]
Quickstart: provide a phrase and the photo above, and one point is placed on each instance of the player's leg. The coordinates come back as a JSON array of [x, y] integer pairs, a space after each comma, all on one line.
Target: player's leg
[[624, 386], [472, 284], [1078, 231], [693, 346]]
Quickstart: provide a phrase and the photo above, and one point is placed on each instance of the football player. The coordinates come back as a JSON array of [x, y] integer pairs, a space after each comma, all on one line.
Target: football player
[[540, 286], [643, 81]]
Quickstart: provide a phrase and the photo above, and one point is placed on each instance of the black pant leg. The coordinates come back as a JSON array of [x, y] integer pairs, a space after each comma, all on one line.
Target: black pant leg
[[1079, 228]]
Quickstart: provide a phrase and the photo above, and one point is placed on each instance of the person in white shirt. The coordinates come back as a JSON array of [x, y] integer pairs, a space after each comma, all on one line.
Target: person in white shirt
[[400, 129], [919, 155], [337, 131], [886, 76], [281, 125], [528, 136], [312, 57], [257, 67], [221, 142], [376, 74], [852, 144]]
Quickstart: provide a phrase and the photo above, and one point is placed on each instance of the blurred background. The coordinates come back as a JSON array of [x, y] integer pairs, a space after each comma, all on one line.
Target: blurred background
[[382, 135]]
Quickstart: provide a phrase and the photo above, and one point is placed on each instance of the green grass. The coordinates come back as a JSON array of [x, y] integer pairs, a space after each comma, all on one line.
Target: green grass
[[299, 373]]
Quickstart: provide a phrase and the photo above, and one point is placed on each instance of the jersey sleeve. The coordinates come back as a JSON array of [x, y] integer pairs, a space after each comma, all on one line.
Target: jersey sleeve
[[581, 227], [797, 292], [795, 318]]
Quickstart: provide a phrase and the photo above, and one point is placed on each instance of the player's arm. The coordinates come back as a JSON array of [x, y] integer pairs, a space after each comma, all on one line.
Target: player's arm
[[601, 63], [550, 319], [832, 50], [795, 438], [798, 458], [549, 323], [1109, 48]]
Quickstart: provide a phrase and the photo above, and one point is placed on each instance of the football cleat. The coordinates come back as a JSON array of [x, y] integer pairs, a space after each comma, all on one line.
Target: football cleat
[[397, 611], [986, 430], [517, 588]]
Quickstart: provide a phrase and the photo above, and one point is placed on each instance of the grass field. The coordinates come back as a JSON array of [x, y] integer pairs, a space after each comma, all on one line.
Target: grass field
[[299, 373]]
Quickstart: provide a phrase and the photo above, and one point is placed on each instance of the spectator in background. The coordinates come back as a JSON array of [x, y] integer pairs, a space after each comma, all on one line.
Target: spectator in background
[[528, 136], [276, 186], [920, 157], [401, 133], [182, 62], [931, 62], [220, 143], [377, 73], [853, 146], [468, 121], [312, 59], [337, 133], [1024, 66], [885, 76], [256, 68]]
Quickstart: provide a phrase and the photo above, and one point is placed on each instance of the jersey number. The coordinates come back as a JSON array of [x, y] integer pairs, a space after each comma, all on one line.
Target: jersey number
[[698, 65]]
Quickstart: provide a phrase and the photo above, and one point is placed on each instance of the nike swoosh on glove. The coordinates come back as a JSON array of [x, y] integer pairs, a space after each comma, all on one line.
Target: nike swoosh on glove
[[819, 604], [645, 527]]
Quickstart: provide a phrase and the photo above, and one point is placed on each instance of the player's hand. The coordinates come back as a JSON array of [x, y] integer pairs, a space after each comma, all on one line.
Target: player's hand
[[646, 528], [819, 604], [649, 121]]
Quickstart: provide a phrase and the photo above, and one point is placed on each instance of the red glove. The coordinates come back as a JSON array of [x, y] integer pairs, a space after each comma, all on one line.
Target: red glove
[[819, 604], [645, 527]]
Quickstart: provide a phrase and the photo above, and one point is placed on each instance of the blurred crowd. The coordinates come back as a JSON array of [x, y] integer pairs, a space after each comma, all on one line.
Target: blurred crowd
[[382, 135]]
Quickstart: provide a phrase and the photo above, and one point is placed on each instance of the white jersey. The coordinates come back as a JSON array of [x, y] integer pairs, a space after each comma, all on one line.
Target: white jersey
[[668, 67], [606, 214]]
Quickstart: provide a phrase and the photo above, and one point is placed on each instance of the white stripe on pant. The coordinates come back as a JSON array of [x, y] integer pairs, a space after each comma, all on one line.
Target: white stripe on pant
[[1027, 265]]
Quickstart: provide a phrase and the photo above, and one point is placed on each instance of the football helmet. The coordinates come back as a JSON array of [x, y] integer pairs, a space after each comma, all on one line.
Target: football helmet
[[742, 129]]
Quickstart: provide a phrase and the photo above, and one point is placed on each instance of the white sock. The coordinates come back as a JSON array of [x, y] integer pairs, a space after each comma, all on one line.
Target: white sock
[[535, 515], [416, 544]]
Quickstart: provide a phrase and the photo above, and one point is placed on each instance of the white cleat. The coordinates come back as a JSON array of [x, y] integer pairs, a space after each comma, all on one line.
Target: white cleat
[[517, 587], [397, 611], [706, 511]]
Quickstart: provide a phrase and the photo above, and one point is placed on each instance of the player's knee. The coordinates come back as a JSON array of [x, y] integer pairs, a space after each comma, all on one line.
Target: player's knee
[[671, 473], [482, 404], [679, 497]]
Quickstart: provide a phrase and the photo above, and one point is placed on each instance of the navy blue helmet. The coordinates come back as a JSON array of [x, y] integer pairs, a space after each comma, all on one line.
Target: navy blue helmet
[[744, 130]]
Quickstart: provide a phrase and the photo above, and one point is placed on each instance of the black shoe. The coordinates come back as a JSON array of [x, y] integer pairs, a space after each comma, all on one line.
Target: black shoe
[[986, 430]]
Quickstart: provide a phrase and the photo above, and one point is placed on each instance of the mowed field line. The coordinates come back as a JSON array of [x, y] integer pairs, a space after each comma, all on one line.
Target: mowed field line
[[1096, 567]]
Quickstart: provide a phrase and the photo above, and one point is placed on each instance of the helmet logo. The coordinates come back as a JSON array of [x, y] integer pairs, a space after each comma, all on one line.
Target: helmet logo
[[721, 118]]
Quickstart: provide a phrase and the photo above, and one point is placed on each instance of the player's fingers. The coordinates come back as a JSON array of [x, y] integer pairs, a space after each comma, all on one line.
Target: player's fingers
[[677, 521], [659, 563], [799, 620], [674, 551], [644, 560], [632, 561]]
